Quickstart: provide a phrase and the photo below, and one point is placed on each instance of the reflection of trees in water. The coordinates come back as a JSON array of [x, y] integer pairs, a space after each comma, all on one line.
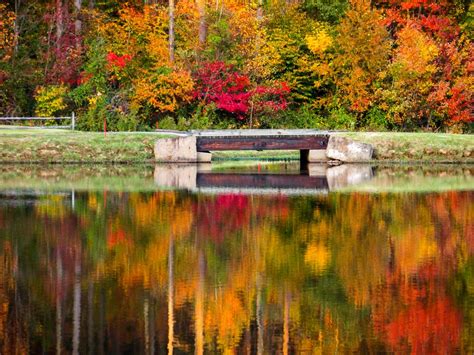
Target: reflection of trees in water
[[168, 270]]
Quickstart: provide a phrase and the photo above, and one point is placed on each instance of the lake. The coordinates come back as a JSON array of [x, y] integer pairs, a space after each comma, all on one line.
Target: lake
[[248, 259]]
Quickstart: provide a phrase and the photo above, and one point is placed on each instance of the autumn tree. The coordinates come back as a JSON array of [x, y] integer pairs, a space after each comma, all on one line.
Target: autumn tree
[[130, 60], [7, 40], [202, 34], [7, 32], [171, 34], [412, 70], [130, 67], [432, 86], [330, 11], [362, 52], [284, 52]]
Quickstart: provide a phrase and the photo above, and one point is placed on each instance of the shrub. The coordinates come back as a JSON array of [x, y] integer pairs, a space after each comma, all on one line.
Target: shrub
[[51, 100], [376, 120], [107, 109]]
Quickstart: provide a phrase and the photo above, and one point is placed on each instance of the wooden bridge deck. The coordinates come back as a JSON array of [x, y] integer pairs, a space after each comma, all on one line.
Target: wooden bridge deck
[[206, 144], [260, 139]]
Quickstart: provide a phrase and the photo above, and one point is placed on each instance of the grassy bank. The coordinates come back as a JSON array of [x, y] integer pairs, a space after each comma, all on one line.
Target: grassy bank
[[437, 147], [63, 146]]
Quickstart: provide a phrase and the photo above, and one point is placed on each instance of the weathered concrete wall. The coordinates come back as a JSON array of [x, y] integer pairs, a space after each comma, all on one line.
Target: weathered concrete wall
[[204, 157], [317, 156], [176, 150]]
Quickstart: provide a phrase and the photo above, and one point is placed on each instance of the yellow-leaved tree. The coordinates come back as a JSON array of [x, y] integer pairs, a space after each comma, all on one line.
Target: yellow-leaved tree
[[7, 38], [138, 47], [50, 100], [363, 49], [7, 32], [412, 71]]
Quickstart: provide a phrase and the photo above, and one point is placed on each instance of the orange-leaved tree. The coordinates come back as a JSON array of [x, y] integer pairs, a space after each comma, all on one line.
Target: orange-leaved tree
[[7, 37], [363, 49], [412, 69]]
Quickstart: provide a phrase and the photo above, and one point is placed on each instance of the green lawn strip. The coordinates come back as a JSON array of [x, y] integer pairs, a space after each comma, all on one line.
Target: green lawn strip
[[60, 146], [399, 146], [256, 155]]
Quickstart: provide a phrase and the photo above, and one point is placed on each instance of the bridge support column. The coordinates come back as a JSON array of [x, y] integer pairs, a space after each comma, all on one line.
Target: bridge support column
[[312, 156], [176, 150], [204, 157], [317, 156]]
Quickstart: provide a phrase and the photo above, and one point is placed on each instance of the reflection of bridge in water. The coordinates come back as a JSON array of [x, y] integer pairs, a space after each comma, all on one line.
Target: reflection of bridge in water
[[35, 189], [316, 180]]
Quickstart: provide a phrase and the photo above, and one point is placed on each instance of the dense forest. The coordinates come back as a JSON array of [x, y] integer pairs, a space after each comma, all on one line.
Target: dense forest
[[146, 64]]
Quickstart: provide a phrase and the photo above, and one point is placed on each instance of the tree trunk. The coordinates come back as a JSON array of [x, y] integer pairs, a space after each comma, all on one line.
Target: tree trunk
[[59, 23], [91, 4], [78, 22], [171, 30], [260, 11], [258, 39], [16, 24], [201, 7]]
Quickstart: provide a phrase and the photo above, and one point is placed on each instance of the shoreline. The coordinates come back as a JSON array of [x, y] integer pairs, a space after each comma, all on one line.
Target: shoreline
[[125, 148]]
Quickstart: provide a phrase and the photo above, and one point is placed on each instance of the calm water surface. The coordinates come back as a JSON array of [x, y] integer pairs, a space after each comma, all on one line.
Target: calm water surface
[[92, 266]]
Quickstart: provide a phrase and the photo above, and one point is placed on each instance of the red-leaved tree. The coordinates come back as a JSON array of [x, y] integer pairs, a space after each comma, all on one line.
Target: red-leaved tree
[[233, 92], [64, 55]]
